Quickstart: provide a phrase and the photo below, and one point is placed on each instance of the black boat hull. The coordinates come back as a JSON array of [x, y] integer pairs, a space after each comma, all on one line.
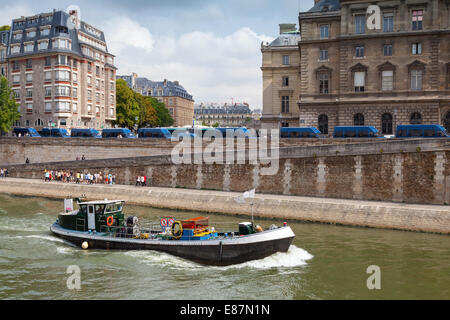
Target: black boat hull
[[209, 252]]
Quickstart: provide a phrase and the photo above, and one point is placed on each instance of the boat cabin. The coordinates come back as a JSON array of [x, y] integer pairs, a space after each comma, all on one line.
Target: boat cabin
[[94, 215]]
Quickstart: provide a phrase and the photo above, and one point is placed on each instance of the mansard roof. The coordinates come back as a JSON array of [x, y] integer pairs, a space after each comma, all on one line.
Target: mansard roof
[[326, 6], [168, 88]]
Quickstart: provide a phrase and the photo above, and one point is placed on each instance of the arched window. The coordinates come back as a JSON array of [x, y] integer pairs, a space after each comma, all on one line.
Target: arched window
[[447, 121], [358, 119], [386, 123], [63, 122], [323, 123], [38, 123], [416, 118]]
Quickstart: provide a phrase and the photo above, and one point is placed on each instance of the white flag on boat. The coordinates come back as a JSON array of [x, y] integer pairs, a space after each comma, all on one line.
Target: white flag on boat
[[247, 194]]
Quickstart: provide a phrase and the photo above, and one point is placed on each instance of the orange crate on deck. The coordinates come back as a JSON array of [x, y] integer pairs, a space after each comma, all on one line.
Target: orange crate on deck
[[195, 223]]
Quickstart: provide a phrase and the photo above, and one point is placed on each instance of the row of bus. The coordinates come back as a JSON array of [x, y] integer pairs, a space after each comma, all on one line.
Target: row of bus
[[403, 131]]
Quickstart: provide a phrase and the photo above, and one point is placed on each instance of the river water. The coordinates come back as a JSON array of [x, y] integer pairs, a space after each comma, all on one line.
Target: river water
[[324, 262]]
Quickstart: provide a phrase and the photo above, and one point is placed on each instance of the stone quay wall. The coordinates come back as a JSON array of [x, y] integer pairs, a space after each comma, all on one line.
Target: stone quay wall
[[408, 217], [17, 150], [412, 171]]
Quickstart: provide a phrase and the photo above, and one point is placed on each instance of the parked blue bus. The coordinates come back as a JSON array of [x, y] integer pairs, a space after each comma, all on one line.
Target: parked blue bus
[[85, 133], [356, 132], [26, 132], [54, 133], [310, 132], [421, 131], [157, 133], [118, 133]]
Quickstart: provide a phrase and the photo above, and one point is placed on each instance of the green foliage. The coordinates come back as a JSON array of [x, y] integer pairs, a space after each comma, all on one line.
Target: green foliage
[[164, 119], [133, 108], [127, 108], [9, 112], [215, 125], [5, 28], [147, 113]]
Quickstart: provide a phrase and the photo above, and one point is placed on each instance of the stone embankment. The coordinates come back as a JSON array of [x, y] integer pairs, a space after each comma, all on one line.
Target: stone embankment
[[423, 218]]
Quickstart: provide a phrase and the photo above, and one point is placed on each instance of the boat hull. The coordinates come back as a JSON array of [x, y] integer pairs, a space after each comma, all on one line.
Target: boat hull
[[209, 252]]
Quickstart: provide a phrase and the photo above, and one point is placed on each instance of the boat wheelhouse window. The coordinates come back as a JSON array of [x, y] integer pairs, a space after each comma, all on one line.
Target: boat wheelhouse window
[[428, 133], [113, 207], [402, 133], [99, 208], [83, 208]]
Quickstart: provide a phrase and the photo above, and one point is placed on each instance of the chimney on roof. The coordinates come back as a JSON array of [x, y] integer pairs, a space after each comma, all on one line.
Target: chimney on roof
[[165, 82], [316, 1], [176, 83], [287, 27]]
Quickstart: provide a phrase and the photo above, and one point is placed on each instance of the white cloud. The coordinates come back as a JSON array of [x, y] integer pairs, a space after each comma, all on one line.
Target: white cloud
[[10, 12], [125, 33], [212, 68]]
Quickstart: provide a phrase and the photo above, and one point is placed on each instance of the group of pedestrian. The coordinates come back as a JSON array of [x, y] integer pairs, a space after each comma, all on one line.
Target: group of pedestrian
[[3, 173], [79, 177], [141, 181]]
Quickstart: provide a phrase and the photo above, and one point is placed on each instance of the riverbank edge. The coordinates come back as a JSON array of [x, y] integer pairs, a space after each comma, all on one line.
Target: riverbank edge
[[385, 215]]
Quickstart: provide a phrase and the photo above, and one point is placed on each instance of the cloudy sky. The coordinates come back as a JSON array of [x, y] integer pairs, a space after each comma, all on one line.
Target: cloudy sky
[[212, 47]]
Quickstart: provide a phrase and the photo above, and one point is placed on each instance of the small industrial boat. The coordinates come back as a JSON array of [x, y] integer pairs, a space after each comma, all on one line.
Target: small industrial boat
[[102, 225]]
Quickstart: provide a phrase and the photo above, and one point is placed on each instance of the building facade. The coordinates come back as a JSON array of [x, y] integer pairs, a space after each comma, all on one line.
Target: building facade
[[234, 115], [397, 72], [175, 97], [61, 72], [4, 41], [281, 79]]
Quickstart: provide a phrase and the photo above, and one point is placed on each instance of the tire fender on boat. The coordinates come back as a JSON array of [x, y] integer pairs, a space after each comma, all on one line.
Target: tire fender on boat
[[179, 234]]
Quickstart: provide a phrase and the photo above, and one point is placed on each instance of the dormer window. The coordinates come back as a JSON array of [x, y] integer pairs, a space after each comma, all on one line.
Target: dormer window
[[17, 36], [45, 32], [61, 29]]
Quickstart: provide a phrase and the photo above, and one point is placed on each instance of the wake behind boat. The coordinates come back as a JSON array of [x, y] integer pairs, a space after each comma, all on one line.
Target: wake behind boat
[[102, 225]]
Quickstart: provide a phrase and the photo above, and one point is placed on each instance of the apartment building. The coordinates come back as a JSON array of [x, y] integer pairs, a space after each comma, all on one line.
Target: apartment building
[[61, 72], [174, 96]]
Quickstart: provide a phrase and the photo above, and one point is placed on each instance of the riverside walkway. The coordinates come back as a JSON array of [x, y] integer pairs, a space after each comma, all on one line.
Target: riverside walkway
[[411, 217]]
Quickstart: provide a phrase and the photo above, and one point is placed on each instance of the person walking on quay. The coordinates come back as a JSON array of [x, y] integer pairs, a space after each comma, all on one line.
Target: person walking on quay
[[145, 181], [138, 180]]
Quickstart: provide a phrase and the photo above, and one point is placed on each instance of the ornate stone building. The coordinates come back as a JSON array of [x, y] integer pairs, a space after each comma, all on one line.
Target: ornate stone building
[[61, 72], [281, 79], [234, 115], [179, 102], [351, 74]]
